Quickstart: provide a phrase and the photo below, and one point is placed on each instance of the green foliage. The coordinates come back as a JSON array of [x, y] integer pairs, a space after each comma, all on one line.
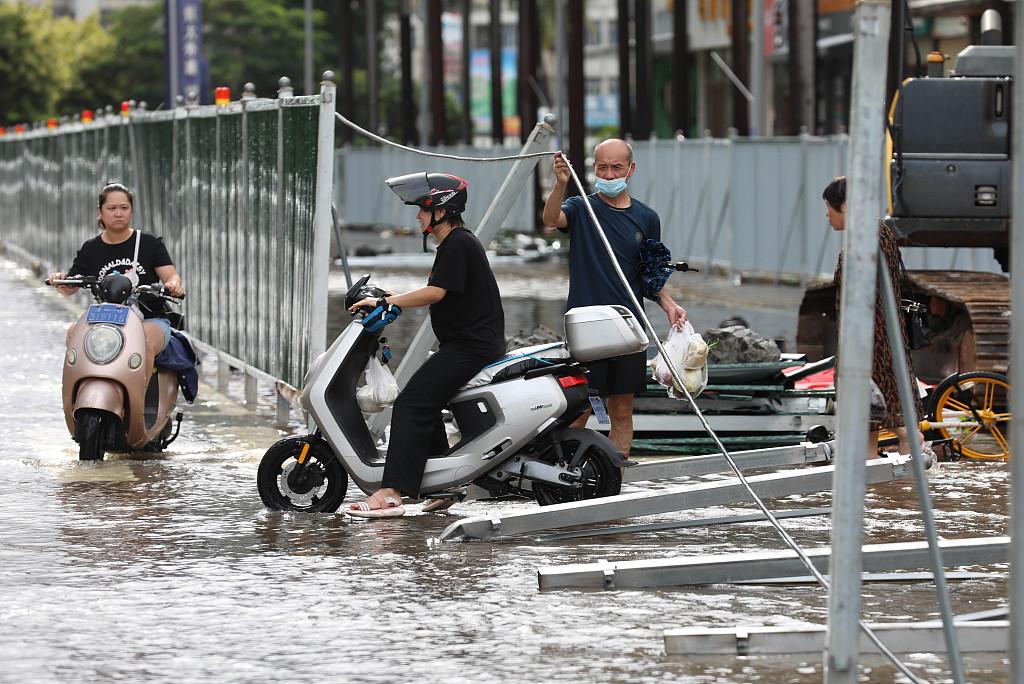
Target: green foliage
[[42, 57], [52, 66], [244, 40], [606, 132], [260, 41], [133, 70]]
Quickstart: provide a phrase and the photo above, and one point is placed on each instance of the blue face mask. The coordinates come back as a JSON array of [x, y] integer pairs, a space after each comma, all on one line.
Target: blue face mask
[[610, 188]]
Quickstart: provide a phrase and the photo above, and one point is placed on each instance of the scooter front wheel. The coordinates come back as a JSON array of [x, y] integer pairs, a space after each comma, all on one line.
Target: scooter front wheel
[[301, 474], [91, 425], [600, 478]]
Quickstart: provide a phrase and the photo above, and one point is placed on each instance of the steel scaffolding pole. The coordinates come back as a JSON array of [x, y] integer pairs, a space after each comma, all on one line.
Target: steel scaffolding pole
[[1016, 372], [856, 328]]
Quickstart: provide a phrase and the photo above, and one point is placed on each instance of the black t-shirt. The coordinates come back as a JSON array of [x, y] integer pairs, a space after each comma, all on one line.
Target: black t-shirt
[[96, 258], [471, 310]]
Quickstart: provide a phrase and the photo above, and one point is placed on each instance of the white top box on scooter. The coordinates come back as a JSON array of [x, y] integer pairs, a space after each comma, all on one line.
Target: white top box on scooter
[[601, 332]]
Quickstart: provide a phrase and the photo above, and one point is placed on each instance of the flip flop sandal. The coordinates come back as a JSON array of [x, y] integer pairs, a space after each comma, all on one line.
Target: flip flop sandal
[[392, 508], [437, 505]]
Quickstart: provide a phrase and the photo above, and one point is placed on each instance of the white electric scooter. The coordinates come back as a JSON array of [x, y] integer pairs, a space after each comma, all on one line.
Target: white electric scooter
[[513, 418]]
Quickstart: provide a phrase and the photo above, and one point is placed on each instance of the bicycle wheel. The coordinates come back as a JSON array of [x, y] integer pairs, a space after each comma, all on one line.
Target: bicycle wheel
[[973, 411]]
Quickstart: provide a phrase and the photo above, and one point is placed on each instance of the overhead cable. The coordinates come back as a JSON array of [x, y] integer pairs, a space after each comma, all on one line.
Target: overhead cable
[[373, 136]]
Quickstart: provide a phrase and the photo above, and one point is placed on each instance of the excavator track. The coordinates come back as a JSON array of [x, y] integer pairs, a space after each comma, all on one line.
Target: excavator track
[[972, 314], [969, 313]]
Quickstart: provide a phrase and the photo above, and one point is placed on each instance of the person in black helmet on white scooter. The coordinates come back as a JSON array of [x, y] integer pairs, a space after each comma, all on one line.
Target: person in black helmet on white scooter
[[468, 320]]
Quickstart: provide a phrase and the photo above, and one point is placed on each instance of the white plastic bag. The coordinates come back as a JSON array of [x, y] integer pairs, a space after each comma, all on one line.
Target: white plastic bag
[[380, 390], [689, 354]]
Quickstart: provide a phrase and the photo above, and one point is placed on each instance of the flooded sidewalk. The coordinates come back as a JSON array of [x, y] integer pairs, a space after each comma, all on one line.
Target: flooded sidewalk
[[167, 568]]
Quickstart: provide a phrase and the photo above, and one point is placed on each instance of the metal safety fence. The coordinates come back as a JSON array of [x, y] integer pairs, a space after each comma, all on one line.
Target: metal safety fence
[[239, 193], [747, 205]]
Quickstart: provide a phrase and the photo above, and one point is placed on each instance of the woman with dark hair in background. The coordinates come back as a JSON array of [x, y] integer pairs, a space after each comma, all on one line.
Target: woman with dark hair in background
[[882, 373]]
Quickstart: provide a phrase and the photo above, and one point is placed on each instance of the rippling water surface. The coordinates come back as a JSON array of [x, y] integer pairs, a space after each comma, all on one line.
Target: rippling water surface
[[169, 568]]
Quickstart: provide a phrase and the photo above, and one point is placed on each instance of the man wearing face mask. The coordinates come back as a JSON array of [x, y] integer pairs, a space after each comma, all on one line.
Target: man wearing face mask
[[627, 223]]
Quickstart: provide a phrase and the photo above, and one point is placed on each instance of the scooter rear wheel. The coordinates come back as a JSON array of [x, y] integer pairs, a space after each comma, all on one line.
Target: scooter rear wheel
[[90, 428], [601, 478], [317, 484]]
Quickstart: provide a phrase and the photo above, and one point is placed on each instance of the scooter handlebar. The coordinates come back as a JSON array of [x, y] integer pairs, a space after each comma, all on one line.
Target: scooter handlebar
[[159, 290], [71, 282]]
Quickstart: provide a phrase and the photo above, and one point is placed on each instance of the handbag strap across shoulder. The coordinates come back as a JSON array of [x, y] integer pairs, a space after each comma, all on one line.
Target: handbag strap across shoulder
[[138, 239]]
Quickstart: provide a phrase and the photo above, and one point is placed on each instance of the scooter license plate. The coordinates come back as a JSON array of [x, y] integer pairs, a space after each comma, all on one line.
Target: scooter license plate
[[107, 313]]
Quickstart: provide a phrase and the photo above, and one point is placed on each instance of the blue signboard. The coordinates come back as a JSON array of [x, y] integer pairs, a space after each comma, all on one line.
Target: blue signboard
[[186, 66]]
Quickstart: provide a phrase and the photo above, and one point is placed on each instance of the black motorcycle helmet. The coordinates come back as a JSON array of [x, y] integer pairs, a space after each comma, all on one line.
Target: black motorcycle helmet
[[431, 191]]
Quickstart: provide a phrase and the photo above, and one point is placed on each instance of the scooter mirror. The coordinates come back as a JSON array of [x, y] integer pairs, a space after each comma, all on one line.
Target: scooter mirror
[[361, 291], [352, 296], [115, 288]]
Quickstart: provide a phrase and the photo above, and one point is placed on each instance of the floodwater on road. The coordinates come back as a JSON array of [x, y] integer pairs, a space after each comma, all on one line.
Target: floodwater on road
[[169, 568]]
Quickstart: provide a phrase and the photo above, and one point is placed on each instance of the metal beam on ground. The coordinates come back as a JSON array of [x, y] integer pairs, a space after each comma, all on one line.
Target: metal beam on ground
[[736, 567], [992, 614], [916, 637], [799, 454], [666, 500], [682, 524], [688, 422], [886, 577]]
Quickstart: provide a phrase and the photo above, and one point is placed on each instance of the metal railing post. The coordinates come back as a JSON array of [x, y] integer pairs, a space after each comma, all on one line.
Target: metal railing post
[[322, 217], [856, 330], [223, 373]]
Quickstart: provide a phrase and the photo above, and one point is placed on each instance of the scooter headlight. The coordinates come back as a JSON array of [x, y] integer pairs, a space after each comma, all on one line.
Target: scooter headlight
[[103, 343]]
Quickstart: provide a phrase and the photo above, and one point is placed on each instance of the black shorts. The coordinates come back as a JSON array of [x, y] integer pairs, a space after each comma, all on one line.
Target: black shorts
[[619, 375]]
